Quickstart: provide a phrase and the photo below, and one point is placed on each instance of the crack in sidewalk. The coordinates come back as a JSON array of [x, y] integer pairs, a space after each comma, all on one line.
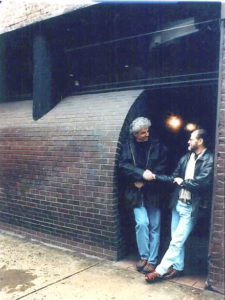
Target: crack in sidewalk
[[57, 281]]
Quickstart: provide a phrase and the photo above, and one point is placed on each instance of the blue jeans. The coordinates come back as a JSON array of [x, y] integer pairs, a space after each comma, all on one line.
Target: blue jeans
[[148, 232], [181, 227]]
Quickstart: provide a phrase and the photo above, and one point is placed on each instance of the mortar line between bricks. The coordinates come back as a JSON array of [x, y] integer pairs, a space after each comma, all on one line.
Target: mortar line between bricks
[[57, 281]]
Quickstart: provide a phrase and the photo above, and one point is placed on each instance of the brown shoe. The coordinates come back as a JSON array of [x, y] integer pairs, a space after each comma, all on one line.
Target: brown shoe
[[141, 264], [148, 268], [168, 271], [153, 277], [172, 273]]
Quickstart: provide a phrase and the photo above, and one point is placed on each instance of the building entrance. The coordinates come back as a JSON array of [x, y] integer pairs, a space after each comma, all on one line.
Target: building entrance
[[174, 113]]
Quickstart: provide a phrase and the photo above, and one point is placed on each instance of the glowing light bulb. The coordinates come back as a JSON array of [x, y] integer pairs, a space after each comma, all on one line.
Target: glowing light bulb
[[174, 123], [191, 126]]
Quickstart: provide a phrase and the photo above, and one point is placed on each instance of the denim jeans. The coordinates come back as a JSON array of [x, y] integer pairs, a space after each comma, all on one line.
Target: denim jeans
[[181, 227], [148, 232]]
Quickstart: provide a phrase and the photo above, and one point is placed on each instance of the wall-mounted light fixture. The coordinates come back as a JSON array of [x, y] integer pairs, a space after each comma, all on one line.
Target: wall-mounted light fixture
[[174, 123], [191, 126]]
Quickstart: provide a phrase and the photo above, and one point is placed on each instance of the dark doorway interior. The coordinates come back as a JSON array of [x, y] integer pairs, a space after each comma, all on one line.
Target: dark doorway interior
[[193, 104]]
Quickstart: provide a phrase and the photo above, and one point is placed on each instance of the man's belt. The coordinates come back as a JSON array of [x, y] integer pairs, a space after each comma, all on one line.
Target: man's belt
[[186, 201]]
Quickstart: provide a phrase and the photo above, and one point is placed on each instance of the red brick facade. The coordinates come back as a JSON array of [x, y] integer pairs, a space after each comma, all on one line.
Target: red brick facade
[[57, 174], [16, 14], [216, 247]]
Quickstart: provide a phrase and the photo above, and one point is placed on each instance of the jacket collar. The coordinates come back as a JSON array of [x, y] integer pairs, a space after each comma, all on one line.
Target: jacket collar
[[133, 149], [202, 156]]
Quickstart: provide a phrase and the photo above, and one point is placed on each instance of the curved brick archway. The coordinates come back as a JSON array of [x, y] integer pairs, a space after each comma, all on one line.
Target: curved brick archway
[[57, 178], [154, 104]]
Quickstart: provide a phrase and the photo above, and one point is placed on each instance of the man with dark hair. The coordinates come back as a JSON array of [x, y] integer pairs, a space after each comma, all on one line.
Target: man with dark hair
[[193, 177], [140, 153]]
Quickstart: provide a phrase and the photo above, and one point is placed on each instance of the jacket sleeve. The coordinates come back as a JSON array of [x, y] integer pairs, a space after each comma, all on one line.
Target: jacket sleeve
[[202, 181], [127, 167], [170, 178]]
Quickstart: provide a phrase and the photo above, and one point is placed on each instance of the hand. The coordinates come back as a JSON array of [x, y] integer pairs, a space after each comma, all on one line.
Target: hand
[[139, 184], [148, 175], [178, 180]]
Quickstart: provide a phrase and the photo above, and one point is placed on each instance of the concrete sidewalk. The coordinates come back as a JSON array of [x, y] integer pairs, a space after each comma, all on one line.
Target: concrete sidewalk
[[33, 271]]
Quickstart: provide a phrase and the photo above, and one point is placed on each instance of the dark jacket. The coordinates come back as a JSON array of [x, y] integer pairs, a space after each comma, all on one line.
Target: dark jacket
[[155, 161], [200, 186]]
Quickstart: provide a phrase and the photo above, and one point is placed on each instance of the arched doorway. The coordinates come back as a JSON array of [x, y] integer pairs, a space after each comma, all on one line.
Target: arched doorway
[[193, 104]]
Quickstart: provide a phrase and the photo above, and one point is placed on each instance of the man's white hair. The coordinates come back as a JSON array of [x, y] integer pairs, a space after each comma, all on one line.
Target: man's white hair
[[138, 124]]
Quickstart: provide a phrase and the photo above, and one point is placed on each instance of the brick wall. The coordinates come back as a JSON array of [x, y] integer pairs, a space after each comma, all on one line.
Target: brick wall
[[216, 247], [15, 14], [57, 175]]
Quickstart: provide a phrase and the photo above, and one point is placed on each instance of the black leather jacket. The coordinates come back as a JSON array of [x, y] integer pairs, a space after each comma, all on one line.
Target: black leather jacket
[[200, 186], [129, 173]]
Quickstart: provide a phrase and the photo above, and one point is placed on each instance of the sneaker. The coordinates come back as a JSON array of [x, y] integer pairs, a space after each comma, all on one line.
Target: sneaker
[[141, 264], [148, 268]]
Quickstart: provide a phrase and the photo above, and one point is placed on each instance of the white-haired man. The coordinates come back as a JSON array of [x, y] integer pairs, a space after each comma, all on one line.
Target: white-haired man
[[139, 154]]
